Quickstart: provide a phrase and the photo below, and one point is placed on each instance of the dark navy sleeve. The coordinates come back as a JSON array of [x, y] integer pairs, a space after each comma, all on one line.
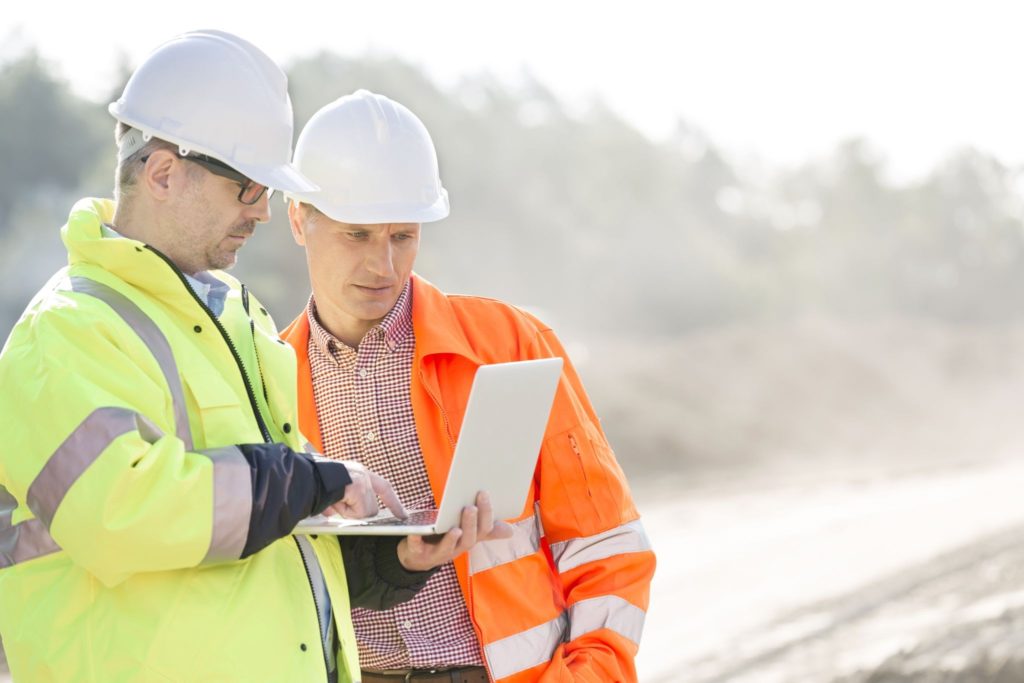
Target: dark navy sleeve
[[287, 487]]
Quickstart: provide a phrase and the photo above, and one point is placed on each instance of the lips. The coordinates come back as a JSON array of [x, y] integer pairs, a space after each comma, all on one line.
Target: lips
[[374, 290], [247, 229]]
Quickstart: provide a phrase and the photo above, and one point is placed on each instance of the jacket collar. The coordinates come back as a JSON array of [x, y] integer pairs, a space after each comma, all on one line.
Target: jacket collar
[[437, 328], [128, 259]]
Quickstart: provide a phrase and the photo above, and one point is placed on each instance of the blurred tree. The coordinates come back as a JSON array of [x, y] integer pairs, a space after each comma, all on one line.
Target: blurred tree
[[963, 257], [578, 215], [49, 137]]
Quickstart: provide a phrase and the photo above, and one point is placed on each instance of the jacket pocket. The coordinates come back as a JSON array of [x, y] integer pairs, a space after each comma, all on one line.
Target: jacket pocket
[[219, 412]]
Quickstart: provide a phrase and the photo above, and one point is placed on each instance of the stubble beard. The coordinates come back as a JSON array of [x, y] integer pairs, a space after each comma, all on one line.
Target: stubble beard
[[222, 258]]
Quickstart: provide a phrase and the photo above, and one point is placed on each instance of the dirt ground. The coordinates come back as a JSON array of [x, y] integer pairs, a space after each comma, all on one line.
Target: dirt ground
[[913, 576], [956, 618]]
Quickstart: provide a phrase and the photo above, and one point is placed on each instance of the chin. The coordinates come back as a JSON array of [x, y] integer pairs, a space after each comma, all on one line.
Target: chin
[[375, 312], [224, 263]]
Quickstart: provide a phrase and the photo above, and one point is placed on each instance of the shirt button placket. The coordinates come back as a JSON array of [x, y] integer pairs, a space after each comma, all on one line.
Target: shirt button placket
[[365, 399]]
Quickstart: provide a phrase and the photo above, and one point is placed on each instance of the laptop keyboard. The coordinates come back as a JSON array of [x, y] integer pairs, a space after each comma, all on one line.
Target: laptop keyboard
[[416, 518]]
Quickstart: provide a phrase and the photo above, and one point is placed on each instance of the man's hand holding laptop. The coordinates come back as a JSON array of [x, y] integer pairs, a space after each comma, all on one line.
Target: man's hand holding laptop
[[418, 553]]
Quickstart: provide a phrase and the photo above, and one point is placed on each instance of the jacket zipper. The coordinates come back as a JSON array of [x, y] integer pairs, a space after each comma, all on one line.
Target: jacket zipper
[[255, 350], [444, 415], [234, 352], [579, 455], [316, 607]]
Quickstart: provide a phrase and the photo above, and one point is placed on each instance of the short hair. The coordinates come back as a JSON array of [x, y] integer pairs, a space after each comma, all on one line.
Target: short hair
[[127, 171]]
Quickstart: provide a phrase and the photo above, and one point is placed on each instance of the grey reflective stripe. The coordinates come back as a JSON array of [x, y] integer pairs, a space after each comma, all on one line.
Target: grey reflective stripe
[[322, 599], [232, 503], [24, 542], [21, 542], [628, 538], [489, 554], [610, 612], [152, 337], [8, 503], [526, 649], [88, 440]]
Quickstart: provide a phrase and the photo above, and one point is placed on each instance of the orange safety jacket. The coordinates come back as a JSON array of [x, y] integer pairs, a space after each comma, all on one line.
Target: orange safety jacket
[[564, 598]]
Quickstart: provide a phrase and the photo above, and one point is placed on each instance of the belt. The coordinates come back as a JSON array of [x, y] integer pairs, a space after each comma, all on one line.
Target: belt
[[463, 674]]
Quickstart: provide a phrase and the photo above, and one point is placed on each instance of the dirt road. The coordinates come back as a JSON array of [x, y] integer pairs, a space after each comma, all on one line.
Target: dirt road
[[827, 581]]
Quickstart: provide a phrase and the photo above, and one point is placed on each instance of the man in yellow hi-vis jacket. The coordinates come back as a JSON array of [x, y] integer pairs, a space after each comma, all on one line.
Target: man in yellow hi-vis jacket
[[152, 469]]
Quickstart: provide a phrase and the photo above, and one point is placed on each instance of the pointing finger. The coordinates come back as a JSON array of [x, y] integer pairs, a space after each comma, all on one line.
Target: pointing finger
[[382, 487]]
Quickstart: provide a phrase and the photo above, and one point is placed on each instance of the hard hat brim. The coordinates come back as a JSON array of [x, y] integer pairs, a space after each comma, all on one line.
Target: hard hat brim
[[284, 178], [377, 213]]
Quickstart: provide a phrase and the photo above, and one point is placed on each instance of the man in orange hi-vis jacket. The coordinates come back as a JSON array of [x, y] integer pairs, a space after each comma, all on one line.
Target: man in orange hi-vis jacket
[[386, 361]]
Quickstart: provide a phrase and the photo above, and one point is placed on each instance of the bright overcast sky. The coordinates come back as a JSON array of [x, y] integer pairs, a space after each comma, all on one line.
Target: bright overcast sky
[[780, 81]]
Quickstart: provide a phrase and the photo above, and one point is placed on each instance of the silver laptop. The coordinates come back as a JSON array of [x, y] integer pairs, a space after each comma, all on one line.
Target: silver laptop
[[506, 416]]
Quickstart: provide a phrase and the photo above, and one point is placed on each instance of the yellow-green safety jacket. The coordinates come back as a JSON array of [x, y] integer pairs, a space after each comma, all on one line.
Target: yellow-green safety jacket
[[123, 501]]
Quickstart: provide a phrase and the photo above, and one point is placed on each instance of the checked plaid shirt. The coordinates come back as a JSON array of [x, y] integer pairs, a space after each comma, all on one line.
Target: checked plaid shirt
[[362, 403]]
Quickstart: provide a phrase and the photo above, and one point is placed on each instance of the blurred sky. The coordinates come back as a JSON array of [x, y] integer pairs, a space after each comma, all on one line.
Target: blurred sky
[[774, 82]]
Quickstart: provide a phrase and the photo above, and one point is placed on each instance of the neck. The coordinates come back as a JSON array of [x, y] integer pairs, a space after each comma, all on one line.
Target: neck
[[343, 327], [127, 223], [138, 223]]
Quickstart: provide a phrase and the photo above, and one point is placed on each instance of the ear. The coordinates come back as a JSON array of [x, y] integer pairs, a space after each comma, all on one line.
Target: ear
[[161, 175], [297, 222]]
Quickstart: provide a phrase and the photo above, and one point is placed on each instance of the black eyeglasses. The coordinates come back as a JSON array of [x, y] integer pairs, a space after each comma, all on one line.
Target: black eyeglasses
[[250, 191]]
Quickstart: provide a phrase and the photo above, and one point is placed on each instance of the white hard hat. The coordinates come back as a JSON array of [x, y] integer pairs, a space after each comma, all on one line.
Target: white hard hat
[[213, 93], [374, 161]]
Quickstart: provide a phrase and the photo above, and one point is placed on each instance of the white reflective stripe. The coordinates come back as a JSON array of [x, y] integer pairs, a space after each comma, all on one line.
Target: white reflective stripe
[[610, 612], [79, 450], [628, 538], [232, 503], [526, 649], [321, 598], [152, 337], [525, 541], [21, 542]]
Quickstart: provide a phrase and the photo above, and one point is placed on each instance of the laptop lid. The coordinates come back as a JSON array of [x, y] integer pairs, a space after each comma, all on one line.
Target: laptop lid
[[496, 451]]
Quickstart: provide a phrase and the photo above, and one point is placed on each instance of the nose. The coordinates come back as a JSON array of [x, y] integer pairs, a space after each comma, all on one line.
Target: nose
[[378, 258], [260, 211]]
